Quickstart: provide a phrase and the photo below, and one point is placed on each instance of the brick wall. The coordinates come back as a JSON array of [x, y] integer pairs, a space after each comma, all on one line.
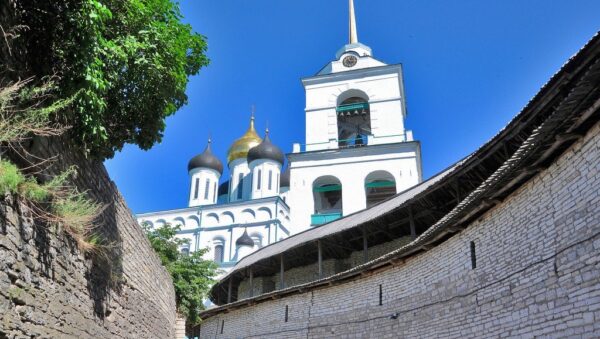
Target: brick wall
[[537, 273], [49, 289]]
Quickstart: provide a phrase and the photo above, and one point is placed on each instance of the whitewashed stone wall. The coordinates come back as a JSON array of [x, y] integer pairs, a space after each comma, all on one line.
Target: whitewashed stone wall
[[537, 274]]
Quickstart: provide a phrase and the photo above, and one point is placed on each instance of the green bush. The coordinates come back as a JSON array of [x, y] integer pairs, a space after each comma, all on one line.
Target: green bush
[[192, 275], [126, 62], [10, 177]]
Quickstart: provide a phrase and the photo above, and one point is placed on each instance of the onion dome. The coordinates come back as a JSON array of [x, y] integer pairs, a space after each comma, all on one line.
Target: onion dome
[[206, 160], [224, 188], [266, 150], [284, 181], [239, 149], [245, 240]]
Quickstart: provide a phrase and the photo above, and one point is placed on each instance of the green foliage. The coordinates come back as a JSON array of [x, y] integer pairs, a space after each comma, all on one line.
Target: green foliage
[[33, 191], [164, 242], [192, 278], [57, 188], [192, 275], [127, 63], [10, 177]]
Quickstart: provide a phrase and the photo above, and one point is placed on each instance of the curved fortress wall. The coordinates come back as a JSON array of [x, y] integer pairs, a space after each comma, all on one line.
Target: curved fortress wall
[[48, 289], [527, 267]]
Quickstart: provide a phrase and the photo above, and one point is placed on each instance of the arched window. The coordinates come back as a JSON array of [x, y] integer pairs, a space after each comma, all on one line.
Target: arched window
[[327, 192], [379, 186], [185, 251], [219, 251], [354, 122]]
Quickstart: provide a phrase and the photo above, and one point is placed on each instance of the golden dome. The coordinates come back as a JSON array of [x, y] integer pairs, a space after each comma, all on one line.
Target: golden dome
[[240, 147]]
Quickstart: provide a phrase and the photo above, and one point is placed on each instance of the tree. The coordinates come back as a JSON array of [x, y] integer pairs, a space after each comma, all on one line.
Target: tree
[[192, 275], [126, 61]]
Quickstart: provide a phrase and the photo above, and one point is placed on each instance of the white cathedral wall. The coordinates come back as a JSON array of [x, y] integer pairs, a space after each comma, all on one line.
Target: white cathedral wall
[[386, 127], [264, 166], [237, 167], [321, 127], [225, 224], [200, 196]]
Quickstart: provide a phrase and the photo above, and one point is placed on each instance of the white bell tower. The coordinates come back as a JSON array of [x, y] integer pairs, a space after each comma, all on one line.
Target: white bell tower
[[357, 151]]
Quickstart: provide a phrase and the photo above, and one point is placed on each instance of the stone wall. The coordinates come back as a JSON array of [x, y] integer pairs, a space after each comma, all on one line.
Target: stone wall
[[49, 289], [537, 274]]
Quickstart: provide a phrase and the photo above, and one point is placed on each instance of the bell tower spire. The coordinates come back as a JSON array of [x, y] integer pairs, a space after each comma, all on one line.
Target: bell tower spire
[[352, 23], [358, 49]]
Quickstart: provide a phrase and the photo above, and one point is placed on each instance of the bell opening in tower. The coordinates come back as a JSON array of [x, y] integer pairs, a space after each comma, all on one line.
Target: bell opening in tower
[[354, 122], [327, 195]]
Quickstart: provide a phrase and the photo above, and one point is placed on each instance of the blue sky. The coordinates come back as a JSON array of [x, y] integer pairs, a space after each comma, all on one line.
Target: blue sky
[[469, 67]]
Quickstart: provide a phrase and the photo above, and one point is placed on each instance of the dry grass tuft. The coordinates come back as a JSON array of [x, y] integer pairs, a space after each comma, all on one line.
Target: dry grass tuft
[[25, 112]]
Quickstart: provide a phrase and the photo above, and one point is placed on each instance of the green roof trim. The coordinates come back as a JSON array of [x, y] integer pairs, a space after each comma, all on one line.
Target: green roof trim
[[351, 107], [328, 188], [376, 184]]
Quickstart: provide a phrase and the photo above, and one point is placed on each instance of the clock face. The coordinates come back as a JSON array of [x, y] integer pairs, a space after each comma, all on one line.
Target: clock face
[[349, 61]]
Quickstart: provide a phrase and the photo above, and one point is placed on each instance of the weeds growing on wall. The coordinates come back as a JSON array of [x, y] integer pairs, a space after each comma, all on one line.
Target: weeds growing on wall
[[24, 113]]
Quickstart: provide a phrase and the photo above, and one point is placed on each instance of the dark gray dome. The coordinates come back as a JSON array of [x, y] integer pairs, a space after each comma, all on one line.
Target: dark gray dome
[[265, 150], [284, 181], [245, 240], [206, 160], [224, 188]]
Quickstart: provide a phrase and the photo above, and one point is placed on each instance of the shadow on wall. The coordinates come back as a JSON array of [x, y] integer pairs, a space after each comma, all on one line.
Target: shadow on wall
[[104, 267], [105, 274]]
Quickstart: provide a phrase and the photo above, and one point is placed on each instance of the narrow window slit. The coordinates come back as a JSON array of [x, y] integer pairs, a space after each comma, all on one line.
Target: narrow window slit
[[206, 189], [380, 295], [258, 180], [222, 325], [286, 313], [240, 186], [270, 179], [196, 188], [473, 258]]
